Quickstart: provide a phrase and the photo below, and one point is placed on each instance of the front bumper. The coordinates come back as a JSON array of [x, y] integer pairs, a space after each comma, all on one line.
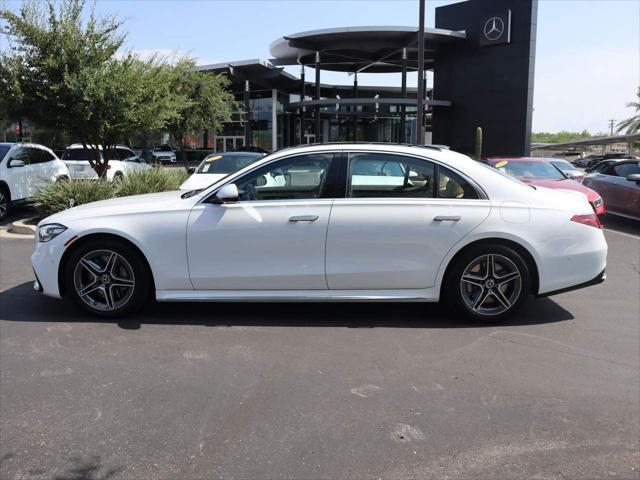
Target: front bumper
[[45, 261]]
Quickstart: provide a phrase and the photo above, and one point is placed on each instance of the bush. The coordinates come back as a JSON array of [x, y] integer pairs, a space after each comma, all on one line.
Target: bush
[[151, 181], [64, 194], [61, 195]]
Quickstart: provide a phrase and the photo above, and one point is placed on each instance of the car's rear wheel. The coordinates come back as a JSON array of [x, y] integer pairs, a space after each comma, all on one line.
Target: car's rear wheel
[[488, 283], [107, 278], [5, 202]]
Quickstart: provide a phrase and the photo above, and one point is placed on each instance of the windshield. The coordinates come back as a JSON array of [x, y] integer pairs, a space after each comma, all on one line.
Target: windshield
[[227, 164], [3, 151], [563, 165], [521, 169], [503, 174]]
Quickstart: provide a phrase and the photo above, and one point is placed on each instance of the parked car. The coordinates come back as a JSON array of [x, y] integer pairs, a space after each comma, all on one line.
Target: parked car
[[419, 224], [567, 168], [539, 172], [216, 166], [592, 160], [619, 185], [598, 167], [164, 154], [24, 169], [126, 161]]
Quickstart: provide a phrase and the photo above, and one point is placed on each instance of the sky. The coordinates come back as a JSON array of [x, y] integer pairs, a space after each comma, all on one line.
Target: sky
[[587, 59]]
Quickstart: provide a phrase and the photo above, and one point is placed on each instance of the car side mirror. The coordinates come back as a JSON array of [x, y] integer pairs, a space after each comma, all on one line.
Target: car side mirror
[[191, 170], [227, 194], [15, 163], [634, 177]]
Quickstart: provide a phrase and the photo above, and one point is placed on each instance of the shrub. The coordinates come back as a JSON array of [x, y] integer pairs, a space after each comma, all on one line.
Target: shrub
[[151, 181], [64, 194]]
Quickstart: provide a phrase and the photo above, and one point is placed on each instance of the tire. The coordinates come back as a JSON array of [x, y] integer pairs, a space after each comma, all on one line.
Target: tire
[[112, 275], [117, 178], [473, 291], [5, 201]]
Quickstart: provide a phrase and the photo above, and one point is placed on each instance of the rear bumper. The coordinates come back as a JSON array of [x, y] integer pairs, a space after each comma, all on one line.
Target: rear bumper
[[601, 277]]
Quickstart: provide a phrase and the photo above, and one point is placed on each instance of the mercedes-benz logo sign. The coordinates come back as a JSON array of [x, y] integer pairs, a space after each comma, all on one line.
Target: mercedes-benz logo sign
[[493, 28]]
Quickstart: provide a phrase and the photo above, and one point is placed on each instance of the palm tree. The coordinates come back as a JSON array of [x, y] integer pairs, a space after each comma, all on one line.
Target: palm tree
[[631, 125]]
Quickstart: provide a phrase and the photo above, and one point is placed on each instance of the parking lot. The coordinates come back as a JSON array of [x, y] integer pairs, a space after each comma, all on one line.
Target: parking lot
[[322, 390]]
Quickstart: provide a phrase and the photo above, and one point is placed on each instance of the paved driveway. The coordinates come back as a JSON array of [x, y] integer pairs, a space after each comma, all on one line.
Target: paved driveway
[[319, 390]]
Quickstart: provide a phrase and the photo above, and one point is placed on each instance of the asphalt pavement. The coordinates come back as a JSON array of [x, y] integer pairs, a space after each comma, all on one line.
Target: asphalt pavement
[[196, 391]]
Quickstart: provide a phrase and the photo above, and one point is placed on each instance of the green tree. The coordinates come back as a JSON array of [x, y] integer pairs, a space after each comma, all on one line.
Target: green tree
[[61, 71], [201, 99], [631, 125], [559, 137]]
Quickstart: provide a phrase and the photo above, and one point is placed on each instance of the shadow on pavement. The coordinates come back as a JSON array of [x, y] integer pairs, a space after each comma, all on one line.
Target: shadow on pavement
[[23, 304], [621, 224]]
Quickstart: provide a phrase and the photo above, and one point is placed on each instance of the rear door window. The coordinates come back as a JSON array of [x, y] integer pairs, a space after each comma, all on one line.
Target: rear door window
[[626, 169], [383, 175], [36, 156]]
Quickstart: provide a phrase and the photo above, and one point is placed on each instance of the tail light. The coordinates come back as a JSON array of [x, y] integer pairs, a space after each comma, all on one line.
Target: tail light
[[591, 220]]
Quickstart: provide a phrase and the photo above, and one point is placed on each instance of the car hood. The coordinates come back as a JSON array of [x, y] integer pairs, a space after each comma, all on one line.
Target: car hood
[[201, 180], [566, 184], [150, 202]]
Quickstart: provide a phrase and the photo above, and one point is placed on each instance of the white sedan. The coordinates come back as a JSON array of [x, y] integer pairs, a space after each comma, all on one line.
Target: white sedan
[[329, 223]]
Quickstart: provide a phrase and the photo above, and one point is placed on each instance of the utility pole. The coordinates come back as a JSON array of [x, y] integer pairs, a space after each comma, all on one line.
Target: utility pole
[[420, 101], [611, 123]]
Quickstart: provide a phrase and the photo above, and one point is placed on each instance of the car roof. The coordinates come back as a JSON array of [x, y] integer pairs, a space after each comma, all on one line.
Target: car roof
[[24, 144], [235, 154], [79, 145]]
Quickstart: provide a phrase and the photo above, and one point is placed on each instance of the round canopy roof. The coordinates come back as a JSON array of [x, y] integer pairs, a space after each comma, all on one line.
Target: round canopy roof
[[355, 49]]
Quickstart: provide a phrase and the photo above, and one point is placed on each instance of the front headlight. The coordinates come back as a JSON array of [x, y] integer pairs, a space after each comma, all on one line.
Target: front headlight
[[50, 231]]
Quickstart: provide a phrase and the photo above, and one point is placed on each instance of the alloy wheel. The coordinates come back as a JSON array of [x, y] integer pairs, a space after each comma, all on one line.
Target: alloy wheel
[[491, 284], [4, 204], [104, 280]]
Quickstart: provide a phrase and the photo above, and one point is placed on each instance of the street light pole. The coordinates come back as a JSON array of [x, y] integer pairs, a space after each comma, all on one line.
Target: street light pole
[[420, 102]]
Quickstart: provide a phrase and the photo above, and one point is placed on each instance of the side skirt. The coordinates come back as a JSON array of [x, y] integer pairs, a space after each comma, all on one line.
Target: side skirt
[[414, 295]]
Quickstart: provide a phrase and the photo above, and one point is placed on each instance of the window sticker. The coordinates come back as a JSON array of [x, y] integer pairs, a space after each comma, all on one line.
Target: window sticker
[[213, 159], [502, 164]]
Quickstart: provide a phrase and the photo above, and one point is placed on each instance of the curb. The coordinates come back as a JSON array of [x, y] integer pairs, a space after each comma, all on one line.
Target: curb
[[19, 227], [7, 234]]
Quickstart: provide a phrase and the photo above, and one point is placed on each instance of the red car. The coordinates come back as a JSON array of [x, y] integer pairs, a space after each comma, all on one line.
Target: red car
[[539, 172]]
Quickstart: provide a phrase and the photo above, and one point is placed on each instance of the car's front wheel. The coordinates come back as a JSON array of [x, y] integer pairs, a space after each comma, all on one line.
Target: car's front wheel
[[488, 283], [5, 202], [107, 278]]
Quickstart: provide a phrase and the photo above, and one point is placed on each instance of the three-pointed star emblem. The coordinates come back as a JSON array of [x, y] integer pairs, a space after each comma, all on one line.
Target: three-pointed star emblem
[[493, 28]]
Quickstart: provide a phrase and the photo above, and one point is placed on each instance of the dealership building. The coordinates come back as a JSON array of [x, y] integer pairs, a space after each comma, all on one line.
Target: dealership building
[[481, 55]]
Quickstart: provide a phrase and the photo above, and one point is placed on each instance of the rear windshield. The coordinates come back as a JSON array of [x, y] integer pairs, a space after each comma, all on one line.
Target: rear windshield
[[3, 151], [77, 154], [227, 163]]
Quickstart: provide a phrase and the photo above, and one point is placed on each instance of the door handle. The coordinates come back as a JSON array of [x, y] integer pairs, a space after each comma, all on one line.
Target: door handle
[[303, 218], [447, 218]]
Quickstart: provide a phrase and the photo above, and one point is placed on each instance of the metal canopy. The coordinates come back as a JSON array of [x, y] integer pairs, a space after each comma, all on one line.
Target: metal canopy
[[357, 49]]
